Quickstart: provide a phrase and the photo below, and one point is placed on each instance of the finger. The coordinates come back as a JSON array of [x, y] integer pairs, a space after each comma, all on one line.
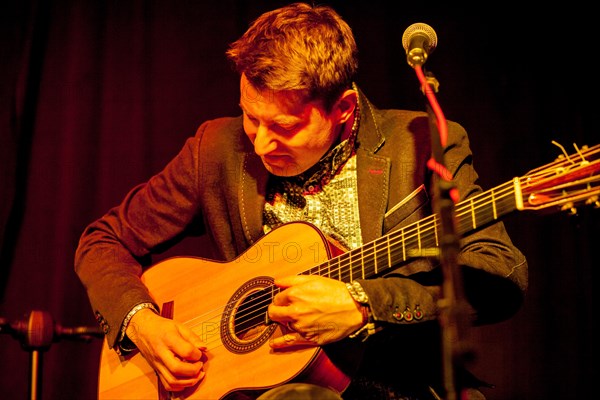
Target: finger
[[280, 313], [177, 375], [182, 369], [287, 281], [174, 384], [290, 326], [287, 296], [289, 340], [180, 360], [187, 347], [190, 336]]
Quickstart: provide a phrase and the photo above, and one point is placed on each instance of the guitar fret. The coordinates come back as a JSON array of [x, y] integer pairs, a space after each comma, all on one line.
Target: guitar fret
[[326, 271], [357, 266], [350, 263], [389, 253], [419, 235], [362, 262], [375, 258], [435, 231], [370, 260], [403, 247], [495, 212], [473, 218]]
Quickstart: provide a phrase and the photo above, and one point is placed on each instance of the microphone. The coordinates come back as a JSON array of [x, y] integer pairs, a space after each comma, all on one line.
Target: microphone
[[418, 40], [39, 331]]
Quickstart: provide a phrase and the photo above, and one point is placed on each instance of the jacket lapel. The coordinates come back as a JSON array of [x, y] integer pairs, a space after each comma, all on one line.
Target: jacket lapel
[[252, 190], [373, 173]]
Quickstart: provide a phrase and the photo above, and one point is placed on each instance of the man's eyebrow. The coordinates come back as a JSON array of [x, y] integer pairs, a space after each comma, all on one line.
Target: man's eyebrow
[[245, 111], [279, 120], [287, 120]]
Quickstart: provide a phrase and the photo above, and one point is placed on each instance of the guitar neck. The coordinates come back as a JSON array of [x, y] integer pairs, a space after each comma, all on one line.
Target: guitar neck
[[422, 237], [568, 181]]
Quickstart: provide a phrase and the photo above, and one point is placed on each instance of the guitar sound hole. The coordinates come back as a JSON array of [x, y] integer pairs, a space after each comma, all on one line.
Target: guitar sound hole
[[244, 326], [249, 320]]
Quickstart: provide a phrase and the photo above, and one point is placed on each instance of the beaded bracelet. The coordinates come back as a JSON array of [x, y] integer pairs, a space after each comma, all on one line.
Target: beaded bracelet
[[125, 324], [368, 324], [357, 292]]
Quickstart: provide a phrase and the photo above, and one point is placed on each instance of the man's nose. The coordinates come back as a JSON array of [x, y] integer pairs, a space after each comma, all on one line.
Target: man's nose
[[264, 142]]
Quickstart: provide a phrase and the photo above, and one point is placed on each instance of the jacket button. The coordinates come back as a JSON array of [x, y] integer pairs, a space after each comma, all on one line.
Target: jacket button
[[418, 314]]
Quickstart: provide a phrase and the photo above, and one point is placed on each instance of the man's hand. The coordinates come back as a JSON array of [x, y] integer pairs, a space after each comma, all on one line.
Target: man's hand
[[172, 349], [316, 310]]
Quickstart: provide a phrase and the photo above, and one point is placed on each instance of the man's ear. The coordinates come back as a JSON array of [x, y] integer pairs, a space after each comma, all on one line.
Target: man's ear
[[346, 105]]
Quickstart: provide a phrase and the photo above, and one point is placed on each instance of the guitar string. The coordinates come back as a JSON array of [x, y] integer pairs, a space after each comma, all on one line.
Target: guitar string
[[473, 203], [373, 256], [410, 232], [344, 261], [259, 308]]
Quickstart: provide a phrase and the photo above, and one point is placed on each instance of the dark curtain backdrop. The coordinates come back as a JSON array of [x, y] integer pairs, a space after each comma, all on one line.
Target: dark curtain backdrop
[[96, 96]]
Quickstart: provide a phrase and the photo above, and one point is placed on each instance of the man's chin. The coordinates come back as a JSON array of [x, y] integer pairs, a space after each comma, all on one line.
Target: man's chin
[[283, 170]]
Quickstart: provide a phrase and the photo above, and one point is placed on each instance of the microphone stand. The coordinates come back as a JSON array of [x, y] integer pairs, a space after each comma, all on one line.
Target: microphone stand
[[36, 334], [453, 317]]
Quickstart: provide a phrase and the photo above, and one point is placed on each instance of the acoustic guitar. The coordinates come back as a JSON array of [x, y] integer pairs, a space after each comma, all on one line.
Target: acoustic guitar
[[225, 303]]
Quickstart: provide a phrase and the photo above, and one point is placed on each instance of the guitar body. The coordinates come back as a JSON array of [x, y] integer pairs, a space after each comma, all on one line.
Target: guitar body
[[217, 301]]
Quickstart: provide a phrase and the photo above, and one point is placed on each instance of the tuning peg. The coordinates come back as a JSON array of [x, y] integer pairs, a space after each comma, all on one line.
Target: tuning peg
[[569, 208], [593, 201]]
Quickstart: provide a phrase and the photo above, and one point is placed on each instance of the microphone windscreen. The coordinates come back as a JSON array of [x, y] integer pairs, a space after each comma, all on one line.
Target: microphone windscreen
[[419, 28]]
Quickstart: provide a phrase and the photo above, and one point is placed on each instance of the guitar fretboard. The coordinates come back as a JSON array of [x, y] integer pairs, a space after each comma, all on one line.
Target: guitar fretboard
[[418, 239]]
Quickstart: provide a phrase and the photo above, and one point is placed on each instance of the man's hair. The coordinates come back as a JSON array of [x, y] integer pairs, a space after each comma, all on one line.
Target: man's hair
[[300, 47]]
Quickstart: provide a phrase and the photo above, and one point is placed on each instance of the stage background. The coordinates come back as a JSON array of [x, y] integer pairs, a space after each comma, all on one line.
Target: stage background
[[96, 96]]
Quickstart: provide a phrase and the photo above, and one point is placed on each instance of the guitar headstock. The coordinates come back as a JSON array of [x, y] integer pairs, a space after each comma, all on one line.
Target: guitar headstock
[[565, 184]]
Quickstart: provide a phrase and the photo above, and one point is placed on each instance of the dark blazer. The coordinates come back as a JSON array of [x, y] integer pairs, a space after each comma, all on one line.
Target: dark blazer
[[216, 185]]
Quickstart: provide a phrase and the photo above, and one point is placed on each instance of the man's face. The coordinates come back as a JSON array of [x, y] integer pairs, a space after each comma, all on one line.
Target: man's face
[[290, 136]]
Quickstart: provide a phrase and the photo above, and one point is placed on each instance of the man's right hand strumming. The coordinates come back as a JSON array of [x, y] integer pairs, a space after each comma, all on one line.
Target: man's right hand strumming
[[172, 349]]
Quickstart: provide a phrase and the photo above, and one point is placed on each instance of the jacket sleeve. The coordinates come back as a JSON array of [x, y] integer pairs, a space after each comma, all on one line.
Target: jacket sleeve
[[108, 260], [492, 271]]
